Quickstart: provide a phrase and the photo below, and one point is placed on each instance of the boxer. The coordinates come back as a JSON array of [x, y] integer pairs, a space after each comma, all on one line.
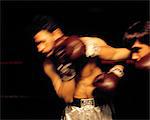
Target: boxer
[[137, 40], [76, 86]]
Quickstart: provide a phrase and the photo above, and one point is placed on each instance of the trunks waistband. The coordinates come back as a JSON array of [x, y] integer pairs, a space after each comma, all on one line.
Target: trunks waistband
[[83, 102]]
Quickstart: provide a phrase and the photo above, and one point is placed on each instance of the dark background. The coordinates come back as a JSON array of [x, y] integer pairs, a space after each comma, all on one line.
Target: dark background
[[27, 92]]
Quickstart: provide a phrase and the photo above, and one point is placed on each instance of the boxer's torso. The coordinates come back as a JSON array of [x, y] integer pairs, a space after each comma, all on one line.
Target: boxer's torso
[[84, 87]]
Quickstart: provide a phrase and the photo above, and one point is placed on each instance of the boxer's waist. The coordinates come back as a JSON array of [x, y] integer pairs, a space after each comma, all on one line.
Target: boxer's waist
[[84, 102]]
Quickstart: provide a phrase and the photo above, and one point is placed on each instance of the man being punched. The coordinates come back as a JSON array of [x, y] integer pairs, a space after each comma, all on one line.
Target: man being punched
[[71, 65]]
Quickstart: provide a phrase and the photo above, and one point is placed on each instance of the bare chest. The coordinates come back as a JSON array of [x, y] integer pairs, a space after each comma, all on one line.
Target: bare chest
[[84, 87]]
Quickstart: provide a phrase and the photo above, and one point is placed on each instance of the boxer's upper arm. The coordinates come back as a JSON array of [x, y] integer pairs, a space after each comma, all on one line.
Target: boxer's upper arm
[[110, 53]]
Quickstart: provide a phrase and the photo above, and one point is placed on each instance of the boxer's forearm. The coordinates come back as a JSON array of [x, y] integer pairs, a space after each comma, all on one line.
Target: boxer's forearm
[[63, 89], [110, 53], [104, 51], [56, 81], [66, 90], [121, 54]]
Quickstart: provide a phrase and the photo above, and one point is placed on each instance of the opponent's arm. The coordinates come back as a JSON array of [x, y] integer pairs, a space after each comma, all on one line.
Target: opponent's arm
[[64, 89], [110, 53], [106, 52]]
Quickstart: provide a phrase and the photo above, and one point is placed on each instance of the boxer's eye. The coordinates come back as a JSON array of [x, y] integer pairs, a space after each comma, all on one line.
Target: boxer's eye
[[130, 42]]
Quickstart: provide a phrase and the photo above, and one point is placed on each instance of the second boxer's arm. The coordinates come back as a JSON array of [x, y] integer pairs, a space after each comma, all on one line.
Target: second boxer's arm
[[110, 53], [105, 51], [63, 89]]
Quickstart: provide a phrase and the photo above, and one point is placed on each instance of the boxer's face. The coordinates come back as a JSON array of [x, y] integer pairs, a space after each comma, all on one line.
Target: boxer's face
[[44, 40], [57, 33], [143, 50]]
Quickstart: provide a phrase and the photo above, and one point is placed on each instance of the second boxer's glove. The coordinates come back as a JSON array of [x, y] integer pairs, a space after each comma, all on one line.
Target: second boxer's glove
[[143, 63]]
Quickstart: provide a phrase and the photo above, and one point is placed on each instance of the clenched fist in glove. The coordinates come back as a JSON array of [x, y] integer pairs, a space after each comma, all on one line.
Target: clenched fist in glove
[[143, 63], [108, 81], [65, 51], [72, 46]]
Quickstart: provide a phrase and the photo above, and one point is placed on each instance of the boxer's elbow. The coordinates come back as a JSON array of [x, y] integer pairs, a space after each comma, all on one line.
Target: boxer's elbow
[[67, 97]]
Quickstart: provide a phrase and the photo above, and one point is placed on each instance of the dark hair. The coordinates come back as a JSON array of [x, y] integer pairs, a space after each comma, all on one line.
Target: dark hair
[[43, 22], [137, 27]]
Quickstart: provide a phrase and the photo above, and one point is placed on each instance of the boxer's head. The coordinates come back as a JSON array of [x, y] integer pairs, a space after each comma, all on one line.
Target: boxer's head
[[46, 23], [45, 31], [137, 38]]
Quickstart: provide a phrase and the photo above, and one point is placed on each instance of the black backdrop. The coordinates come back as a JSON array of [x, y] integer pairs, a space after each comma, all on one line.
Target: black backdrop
[[27, 92]]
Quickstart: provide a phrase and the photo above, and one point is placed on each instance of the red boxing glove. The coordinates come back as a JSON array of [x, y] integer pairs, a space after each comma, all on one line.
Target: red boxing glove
[[143, 63], [106, 81], [75, 47], [65, 51]]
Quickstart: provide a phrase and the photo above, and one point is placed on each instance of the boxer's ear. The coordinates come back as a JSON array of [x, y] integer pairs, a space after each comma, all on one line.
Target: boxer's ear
[[57, 33]]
